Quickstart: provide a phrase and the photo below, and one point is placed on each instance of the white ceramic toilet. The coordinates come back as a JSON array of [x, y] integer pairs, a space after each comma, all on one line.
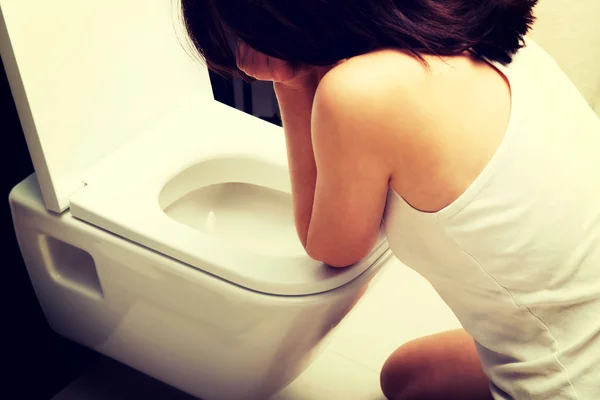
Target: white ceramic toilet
[[158, 228]]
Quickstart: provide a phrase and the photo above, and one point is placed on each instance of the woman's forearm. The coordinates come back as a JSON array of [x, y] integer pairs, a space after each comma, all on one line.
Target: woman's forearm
[[295, 104]]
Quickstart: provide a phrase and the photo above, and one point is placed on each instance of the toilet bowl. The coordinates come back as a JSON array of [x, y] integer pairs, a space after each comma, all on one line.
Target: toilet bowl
[[184, 326], [162, 236]]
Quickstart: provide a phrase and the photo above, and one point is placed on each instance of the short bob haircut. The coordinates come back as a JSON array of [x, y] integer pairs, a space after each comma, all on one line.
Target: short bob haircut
[[322, 32]]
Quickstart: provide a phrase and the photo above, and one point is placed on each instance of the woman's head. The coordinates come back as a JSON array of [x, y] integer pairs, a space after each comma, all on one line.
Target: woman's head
[[321, 32]]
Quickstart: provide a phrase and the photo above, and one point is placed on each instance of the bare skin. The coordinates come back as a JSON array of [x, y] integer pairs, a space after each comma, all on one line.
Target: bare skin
[[379, 121], [442, 366]]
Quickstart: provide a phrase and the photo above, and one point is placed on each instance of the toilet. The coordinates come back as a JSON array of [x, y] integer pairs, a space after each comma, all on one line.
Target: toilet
[[158, 226]]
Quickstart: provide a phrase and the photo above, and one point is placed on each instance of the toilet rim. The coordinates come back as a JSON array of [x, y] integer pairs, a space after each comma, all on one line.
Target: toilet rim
[[122, 197]]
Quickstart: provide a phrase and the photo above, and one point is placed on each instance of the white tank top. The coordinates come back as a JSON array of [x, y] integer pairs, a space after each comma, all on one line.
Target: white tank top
[[517, 256]]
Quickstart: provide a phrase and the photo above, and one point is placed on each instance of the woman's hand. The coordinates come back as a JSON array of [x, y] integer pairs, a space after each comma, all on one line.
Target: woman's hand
[[265, 68]]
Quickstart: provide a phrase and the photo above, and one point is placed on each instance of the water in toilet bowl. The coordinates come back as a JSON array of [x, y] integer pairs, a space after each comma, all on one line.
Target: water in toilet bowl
[[252, 216]]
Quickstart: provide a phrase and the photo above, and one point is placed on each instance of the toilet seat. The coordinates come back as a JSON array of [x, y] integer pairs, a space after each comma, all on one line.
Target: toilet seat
[[122, 196]]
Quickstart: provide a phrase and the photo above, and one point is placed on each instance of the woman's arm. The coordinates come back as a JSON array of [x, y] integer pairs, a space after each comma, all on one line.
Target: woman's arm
[[296, 100], [338, 169], [296, 104], [295, 88], [338, 172], [354, 156]]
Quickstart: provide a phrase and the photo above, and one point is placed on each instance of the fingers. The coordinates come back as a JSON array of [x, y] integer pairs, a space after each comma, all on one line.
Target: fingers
[[262, 67], [244, 57], [280, 70], [251, 62]]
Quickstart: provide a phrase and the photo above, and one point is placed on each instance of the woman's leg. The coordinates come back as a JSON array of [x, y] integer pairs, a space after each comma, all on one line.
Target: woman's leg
[[443, 366]]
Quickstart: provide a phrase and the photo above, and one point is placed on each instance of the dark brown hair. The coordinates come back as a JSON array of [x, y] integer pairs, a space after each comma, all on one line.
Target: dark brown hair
[[321, 32]]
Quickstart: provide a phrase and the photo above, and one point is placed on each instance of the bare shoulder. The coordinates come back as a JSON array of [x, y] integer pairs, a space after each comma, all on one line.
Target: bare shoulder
[[368, 81], [372, 98], [405, 98]]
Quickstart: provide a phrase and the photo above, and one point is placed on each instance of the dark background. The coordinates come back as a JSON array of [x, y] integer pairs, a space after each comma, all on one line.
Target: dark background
[[38, 362]]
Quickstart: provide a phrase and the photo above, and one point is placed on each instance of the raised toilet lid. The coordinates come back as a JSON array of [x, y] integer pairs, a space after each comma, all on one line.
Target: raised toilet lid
[[84, 87]]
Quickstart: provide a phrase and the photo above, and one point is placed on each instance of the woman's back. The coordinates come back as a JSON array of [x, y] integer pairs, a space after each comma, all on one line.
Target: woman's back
[[517, 255]]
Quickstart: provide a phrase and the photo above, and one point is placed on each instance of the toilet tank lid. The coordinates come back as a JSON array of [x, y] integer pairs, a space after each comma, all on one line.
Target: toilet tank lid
[[86, 78]]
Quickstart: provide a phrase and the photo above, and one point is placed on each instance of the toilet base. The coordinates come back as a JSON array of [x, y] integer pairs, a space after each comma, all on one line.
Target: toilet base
[[191, 330]]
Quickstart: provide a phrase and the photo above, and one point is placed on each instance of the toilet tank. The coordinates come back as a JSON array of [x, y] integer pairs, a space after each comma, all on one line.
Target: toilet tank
[[570, 31]]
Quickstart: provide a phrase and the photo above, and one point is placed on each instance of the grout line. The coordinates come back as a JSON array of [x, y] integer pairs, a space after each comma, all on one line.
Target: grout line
[[337, 353]]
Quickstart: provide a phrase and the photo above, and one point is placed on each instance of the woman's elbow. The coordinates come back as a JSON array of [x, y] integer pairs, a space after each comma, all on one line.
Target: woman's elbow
[[338, 257]]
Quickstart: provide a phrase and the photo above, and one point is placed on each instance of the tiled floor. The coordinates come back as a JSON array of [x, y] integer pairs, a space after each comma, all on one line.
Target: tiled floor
[[400, 306]]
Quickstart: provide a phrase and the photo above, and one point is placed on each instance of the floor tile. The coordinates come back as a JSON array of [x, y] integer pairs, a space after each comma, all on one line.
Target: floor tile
[[400, 306], [333, 377]]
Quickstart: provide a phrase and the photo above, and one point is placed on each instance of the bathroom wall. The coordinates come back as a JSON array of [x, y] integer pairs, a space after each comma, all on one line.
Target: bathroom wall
[[570, 31]]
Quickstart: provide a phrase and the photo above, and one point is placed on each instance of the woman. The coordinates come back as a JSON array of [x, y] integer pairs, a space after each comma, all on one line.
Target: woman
[[476, 151]]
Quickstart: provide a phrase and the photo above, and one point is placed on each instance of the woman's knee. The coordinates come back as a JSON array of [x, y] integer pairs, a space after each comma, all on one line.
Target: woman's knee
[[440, 366], [404, 374]]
